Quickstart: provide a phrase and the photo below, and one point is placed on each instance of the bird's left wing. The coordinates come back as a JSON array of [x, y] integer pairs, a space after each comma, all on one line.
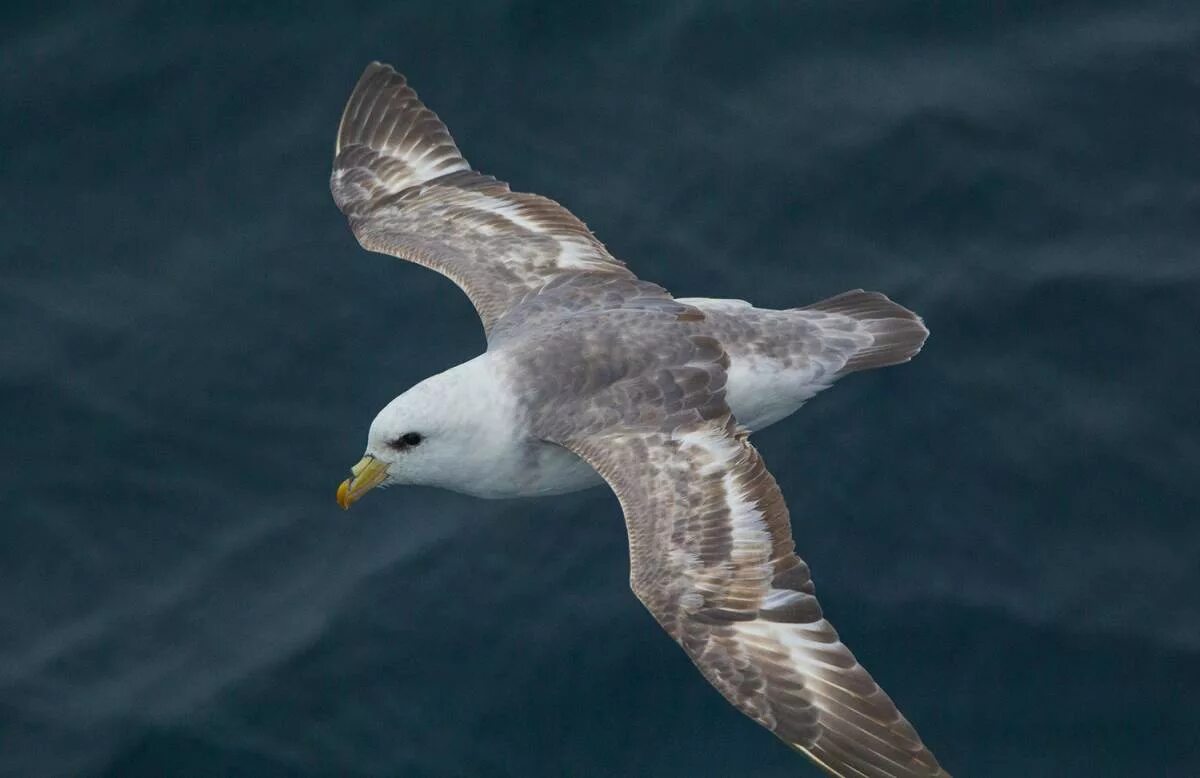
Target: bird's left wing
[[712, 558], [407, 191]]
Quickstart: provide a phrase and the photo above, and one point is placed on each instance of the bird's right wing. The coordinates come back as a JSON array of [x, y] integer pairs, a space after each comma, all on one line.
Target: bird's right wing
[[712, 558], [407, 191]]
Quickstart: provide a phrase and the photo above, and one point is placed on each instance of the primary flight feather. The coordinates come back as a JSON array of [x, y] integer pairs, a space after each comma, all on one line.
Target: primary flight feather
[[593, 375]]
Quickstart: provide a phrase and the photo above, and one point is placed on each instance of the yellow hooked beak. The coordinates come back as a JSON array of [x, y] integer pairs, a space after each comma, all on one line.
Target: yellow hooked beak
[[365, 476]]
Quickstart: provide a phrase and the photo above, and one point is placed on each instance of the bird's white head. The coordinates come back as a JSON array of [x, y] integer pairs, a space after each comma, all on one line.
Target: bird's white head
[[441, 432]]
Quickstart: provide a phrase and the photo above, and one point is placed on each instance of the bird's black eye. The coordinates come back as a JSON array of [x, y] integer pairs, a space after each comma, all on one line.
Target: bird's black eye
[[407, 439]]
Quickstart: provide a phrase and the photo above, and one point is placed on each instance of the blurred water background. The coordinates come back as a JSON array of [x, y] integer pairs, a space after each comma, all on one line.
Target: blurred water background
[[1006, 530]]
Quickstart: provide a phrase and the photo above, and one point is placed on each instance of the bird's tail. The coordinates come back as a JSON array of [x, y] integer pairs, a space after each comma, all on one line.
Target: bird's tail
[[899, 333]]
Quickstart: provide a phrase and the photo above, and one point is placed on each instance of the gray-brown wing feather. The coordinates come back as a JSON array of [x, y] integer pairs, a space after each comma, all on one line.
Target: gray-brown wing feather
[[711, 552], [712, 559], [407, 191]]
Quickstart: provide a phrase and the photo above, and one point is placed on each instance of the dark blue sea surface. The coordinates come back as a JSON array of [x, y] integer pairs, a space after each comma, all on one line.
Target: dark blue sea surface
[[1006, 530]]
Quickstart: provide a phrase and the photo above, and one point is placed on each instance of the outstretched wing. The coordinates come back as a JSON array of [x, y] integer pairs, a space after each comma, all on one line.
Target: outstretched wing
[[712, 558], [408, 192]]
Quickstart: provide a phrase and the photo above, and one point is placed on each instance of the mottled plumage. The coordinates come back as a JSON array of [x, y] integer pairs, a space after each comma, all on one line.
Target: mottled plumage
[[658, 395], [407, 191]]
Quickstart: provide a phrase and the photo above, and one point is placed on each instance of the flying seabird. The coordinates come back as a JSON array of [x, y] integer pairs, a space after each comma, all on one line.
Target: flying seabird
[[593, 375]]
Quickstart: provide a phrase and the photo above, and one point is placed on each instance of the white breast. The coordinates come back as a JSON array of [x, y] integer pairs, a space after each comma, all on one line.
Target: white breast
[[558, 471], [531, 469], [760, 392]]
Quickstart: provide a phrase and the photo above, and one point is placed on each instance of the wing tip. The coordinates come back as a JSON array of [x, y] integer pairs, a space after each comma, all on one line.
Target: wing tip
[[387, 130], [373, 67], [376, 77]]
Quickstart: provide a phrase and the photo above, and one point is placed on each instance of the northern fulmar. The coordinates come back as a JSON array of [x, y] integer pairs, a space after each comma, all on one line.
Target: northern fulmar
[[593, 375]]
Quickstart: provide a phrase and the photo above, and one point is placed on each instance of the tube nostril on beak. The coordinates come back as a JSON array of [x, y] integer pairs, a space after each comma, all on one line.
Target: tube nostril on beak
[[365, 476]]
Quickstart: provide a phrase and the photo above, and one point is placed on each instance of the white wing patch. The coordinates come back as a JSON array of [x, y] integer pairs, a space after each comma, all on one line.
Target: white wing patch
[[712, 559], [407, 191]]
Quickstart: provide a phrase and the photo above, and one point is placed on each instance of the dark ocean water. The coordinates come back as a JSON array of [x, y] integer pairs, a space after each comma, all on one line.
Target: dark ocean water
[[1007, 531]]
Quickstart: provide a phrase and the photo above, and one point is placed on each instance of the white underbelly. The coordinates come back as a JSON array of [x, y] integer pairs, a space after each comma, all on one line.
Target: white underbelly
[[537, 470], [758, 393], [558, 471]]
